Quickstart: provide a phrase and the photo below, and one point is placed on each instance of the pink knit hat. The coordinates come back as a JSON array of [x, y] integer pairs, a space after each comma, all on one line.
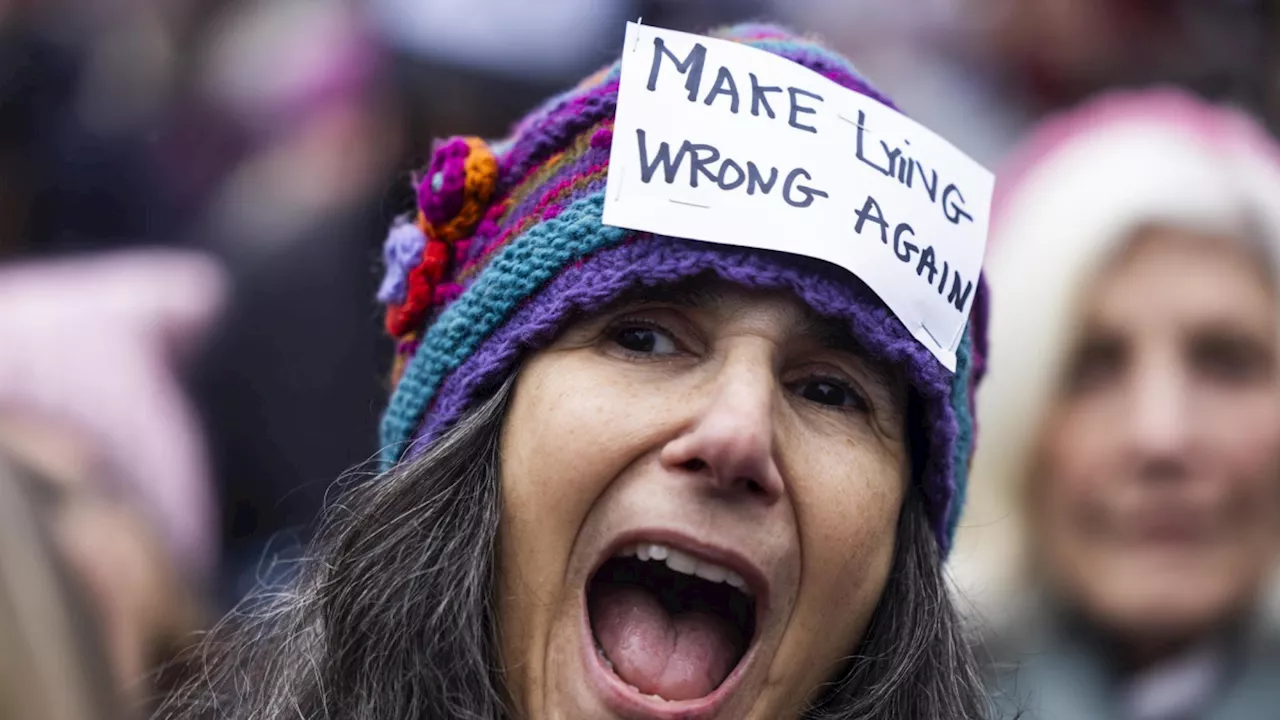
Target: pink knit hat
[[94, 343]]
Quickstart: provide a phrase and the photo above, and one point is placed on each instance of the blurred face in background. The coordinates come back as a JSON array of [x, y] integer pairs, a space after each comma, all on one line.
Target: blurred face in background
[[116, 559], [1157, 498]]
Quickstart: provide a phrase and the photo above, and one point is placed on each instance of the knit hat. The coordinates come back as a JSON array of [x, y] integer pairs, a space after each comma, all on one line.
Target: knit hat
[[508, 244]]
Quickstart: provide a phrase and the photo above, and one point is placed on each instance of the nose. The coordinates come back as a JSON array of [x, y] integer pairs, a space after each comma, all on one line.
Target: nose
[[1159, 410], [729, 442]]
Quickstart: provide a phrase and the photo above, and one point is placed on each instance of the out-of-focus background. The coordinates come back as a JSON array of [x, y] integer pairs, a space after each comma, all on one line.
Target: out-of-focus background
[[193, 194]]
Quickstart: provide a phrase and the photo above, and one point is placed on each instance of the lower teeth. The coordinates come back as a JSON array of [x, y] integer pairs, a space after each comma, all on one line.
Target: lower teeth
[[600, 651]]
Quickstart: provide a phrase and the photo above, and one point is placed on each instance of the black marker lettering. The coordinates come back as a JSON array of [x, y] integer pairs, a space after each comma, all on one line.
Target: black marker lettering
[[759, 98], [901, 248], [892, 155], [724, 170], [927, 260], [865, 214], [728, 174], [691, 65], [699, 162], [954, 210], [956, 297], [808, 192], [724, 86], [663, 158], [797, 108], [905, 162], [931, 188], [755, 180], [862, 119]]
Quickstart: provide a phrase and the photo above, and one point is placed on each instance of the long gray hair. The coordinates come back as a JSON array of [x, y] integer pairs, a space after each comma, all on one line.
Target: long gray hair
[[392, 615]]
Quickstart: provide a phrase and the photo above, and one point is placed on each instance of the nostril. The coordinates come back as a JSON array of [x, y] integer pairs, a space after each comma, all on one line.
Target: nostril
[[738, 483], [695, 465]]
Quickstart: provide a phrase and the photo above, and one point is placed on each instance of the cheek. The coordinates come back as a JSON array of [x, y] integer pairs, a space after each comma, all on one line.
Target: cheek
[[569, 432], [567, 436], [847, 506], [1246, 451], [542, 508], [1070, 483], [1077, 445], [1247, 443], [1075, 471]]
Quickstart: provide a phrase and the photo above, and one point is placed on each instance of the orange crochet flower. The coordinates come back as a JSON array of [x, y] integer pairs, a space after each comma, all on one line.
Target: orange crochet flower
[[452, 199]]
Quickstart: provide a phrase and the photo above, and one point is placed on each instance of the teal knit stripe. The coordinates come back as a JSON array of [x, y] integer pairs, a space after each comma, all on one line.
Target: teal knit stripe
[[519, 270], [962, 447]]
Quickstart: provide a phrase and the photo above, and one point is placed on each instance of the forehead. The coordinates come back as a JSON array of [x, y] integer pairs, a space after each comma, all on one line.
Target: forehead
[[1169, 275]]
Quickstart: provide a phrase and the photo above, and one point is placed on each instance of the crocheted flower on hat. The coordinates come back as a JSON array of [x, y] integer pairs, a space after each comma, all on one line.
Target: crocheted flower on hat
[[421, 256], [401, 253]]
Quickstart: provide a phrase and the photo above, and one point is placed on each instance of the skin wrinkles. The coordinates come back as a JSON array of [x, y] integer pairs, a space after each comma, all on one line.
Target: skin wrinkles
[[745, 384]]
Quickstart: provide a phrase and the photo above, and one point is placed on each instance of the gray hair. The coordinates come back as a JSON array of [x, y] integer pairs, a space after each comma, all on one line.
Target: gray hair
[[392, 616]]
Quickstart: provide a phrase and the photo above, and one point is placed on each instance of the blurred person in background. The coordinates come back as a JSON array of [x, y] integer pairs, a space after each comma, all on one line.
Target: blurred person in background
[[983, 71], [1063, 51], [85, 87], [286, 148], [258, 131], [1123, 531], [52, 662], [92, 405], [496, 59]]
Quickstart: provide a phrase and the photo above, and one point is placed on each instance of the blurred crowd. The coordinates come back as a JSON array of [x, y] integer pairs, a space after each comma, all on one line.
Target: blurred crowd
[[193, 194]]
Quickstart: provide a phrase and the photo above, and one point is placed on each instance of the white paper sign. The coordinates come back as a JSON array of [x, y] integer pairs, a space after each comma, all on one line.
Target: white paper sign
[[724, 143]]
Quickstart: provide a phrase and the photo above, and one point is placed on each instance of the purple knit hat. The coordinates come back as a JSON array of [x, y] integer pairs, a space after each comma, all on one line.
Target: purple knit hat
[[508, 245]]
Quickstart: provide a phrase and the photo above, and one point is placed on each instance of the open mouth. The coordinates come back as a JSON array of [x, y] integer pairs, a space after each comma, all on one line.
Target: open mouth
[[669, 624]]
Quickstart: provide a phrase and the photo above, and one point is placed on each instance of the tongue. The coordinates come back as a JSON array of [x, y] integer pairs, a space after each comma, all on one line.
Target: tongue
[[676, 657]]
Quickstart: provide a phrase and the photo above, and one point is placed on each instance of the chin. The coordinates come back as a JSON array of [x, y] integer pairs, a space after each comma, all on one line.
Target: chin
[[1156, 611]]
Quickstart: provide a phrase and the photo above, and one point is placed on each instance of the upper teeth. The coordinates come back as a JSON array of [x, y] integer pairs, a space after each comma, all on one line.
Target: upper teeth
[[685, 563]]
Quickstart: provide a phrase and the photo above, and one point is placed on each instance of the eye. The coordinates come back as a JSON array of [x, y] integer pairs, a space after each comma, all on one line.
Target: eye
[[643, 339], [1230, 360], [830, 392], [1097, 362]]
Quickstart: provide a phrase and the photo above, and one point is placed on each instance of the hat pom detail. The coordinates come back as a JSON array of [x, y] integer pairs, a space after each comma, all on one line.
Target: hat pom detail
[[457, 188], [401, 253], [453, 196]]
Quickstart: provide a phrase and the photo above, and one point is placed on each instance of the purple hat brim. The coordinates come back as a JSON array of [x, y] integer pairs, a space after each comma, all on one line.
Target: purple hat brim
[[597, 280]]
